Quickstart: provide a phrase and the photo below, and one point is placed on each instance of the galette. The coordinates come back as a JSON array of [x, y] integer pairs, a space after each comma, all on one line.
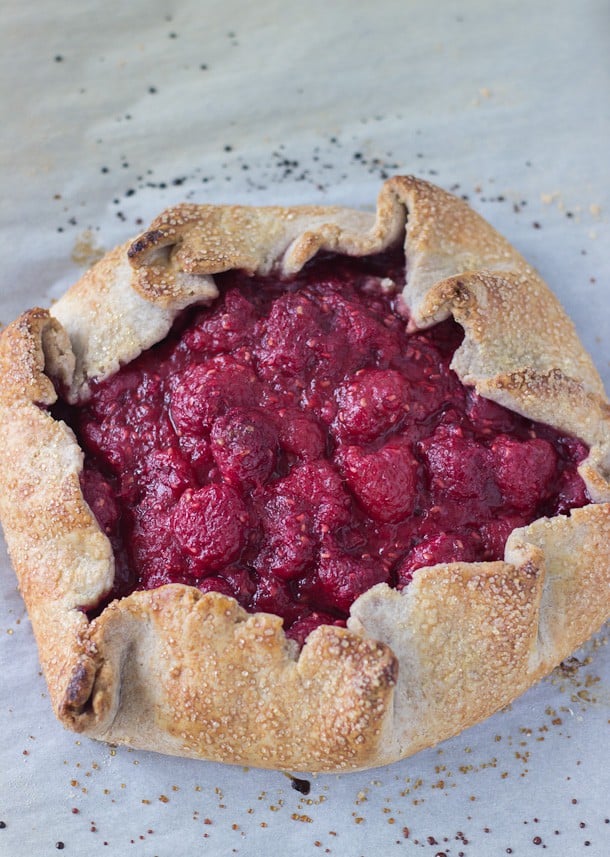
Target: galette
[[304, 488]]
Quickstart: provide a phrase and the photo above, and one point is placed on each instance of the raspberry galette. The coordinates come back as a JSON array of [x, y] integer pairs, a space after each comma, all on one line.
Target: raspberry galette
[[304, 488]]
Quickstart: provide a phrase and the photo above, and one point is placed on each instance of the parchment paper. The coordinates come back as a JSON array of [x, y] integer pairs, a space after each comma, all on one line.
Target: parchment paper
[[112, 111]]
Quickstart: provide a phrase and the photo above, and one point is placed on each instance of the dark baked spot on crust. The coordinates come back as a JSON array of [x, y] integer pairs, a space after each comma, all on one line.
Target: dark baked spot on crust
[[145, 242], [78, 690], [389, 675], [461, 294]]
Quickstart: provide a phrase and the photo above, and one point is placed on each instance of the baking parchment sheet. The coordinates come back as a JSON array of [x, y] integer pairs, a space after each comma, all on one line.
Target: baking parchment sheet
[[112, 111]]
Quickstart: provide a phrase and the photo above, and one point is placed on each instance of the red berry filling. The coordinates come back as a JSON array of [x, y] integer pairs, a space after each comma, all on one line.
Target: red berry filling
[[292, 446]]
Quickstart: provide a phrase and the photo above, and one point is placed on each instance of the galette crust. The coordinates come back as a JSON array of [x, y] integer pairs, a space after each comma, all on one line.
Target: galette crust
[[186, 673]]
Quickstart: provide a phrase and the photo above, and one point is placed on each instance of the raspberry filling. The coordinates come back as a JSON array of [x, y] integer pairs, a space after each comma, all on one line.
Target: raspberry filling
[[292, 446]]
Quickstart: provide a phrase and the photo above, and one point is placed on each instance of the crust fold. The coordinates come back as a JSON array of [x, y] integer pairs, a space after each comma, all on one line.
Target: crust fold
[[202, 677], [191, 674]]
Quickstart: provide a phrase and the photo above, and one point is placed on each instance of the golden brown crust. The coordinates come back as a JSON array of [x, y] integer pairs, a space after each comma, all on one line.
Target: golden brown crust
[[61, 557], [191, 674], [470, 637], [216, 682], [463, 634]]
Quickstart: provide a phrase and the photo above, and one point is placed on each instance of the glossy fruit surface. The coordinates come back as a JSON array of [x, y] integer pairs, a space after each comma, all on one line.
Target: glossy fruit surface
[[291, 445]]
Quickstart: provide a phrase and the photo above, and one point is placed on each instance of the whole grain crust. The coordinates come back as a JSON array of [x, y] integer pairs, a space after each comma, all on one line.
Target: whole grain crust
[[193, 674]]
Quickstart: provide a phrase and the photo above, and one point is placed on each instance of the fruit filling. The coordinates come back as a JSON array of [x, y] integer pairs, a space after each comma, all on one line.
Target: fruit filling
[[291, 446]]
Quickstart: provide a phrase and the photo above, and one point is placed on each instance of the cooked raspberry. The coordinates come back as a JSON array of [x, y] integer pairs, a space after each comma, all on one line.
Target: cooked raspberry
[[432, 550], [112, 443], [524, 470], [427, 368], [272, 595], [226, 327], [235, 582], [489, 417], [304, 625], [152, 428], [208, 390], [300, 434], [292, 340], [372, 333], [460, 468], [341, 578], [210, 526], [571, 491], [154, 550], [197, 451], [572, 448], [385, 481], [241, 582], [319, 486], [371, 403], [318, 401], [215, 584], [164, 476], [244, 445], [423, 359], [101, 499], [494, 534], [119, 390], [129, 418], [289, 542]]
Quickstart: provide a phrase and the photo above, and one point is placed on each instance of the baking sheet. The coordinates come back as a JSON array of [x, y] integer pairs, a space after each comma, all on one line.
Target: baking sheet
[[114, 111]]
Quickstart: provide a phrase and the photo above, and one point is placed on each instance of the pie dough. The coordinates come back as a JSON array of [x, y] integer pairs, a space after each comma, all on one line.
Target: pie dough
[[192, 674]]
